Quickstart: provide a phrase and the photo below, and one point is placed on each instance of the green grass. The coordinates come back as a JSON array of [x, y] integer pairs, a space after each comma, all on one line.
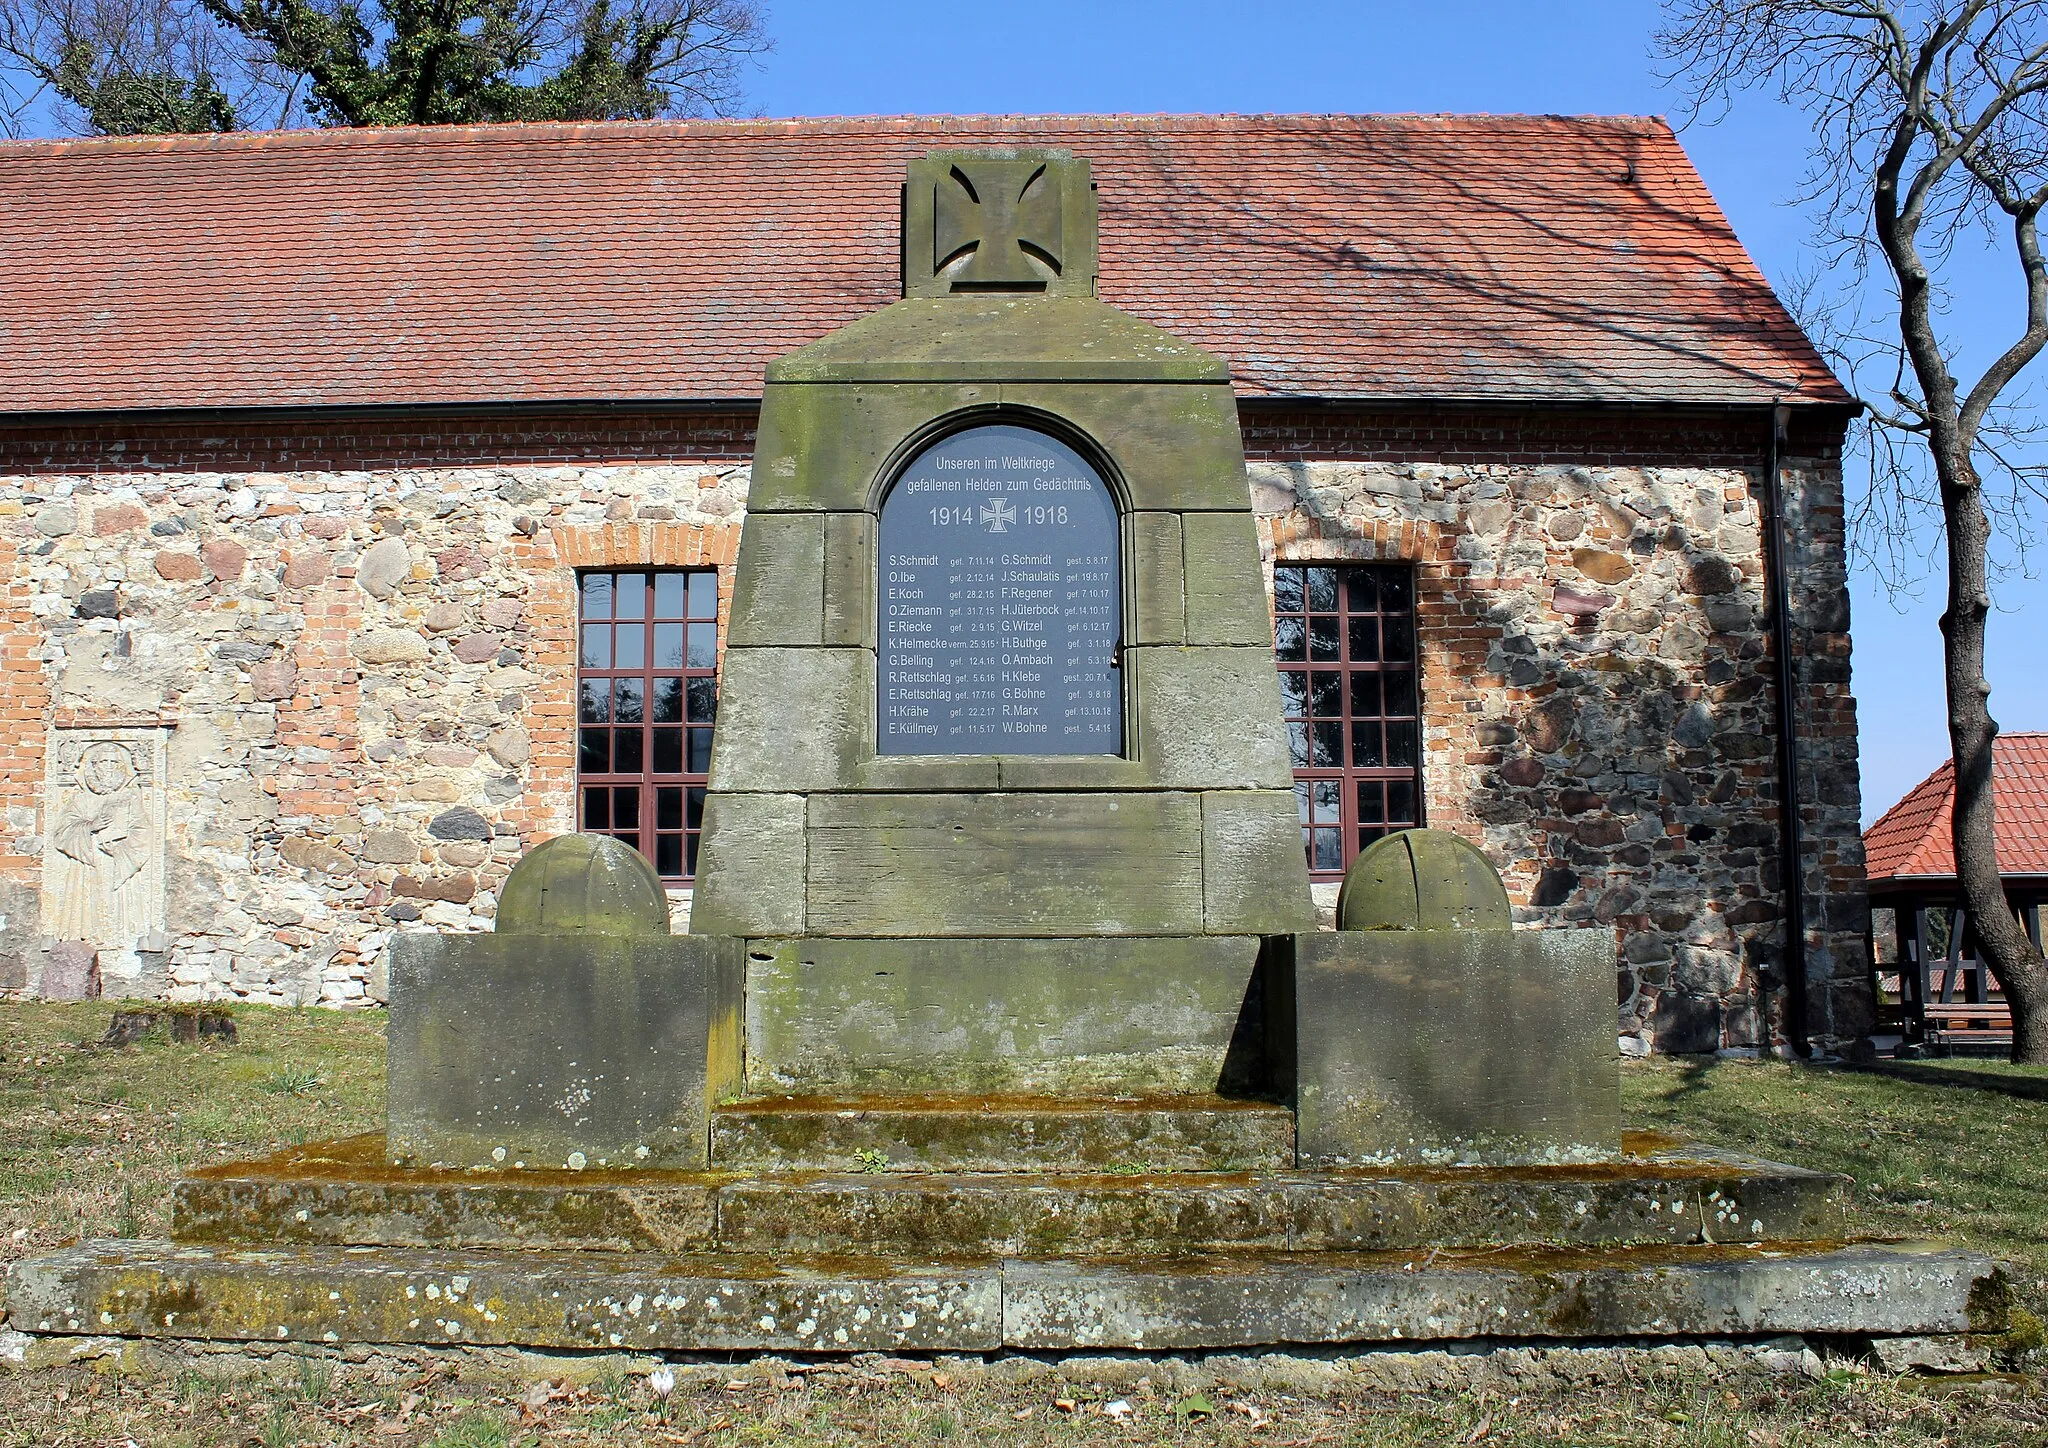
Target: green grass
[[90, 1141], [1954, 1149], [469, 1408]]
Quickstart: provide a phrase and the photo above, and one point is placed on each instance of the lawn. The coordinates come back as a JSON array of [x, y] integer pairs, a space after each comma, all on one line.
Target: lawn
[[1950, 1149], [90, 1140]]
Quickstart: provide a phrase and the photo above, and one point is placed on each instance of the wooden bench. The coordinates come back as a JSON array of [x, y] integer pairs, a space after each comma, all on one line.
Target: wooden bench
[[1988, 1024]]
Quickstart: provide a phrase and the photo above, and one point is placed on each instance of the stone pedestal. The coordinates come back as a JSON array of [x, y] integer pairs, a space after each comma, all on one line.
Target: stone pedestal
[[1462, 1048], [521, 1051], [581, 1035], [1160, 1015]]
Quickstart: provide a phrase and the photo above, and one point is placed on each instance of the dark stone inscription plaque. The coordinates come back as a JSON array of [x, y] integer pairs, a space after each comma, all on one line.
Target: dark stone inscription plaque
[[1002, 601]]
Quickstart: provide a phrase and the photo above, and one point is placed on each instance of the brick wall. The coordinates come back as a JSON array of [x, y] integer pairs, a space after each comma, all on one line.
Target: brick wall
[[349, 760], [1598, 691], [354, 748]]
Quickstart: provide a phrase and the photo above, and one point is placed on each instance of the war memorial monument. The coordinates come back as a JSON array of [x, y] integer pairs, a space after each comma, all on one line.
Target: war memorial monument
[[1003, 1022]]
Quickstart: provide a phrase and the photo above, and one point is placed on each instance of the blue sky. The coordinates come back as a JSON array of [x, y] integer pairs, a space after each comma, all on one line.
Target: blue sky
[[895, 56]]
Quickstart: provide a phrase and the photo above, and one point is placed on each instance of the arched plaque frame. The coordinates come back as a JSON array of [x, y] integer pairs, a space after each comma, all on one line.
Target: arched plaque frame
[[1000, 593]]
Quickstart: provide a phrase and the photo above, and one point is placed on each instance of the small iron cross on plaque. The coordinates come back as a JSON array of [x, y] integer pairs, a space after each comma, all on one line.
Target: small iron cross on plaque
[[1000, 216]]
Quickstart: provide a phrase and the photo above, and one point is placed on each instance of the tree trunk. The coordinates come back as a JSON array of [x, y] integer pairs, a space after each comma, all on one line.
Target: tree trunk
[[2002, 943]]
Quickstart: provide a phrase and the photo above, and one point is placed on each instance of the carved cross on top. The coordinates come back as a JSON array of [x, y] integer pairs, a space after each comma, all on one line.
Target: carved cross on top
[[1000, 215]]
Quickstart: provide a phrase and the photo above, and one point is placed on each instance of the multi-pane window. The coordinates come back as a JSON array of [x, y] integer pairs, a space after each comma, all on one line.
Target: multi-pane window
[[1345, 639], [646, 698]]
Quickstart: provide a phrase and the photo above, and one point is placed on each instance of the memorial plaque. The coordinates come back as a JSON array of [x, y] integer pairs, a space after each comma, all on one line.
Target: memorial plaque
[[1001, 600]]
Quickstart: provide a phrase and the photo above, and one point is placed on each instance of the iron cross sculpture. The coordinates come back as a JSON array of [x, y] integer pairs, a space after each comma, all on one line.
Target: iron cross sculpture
[[1000, 216]]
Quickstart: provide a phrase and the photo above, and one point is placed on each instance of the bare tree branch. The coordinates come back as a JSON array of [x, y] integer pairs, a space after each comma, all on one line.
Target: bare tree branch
[[1930, 118], [164, 65]]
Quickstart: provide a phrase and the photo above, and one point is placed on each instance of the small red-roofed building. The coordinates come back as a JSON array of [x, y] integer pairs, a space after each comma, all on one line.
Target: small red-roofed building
[[1942, 991], [369, 502]]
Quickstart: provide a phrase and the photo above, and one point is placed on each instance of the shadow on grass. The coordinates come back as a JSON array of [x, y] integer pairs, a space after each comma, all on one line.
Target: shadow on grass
[[1695, 1076], [1927, 1073]]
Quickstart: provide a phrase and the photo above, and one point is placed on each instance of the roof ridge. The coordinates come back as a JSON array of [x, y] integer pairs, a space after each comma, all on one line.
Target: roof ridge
[[1075, 122]]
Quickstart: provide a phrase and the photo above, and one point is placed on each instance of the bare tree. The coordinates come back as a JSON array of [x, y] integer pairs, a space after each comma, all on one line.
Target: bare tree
[[123, 66], [127, 66], [1931, 136]]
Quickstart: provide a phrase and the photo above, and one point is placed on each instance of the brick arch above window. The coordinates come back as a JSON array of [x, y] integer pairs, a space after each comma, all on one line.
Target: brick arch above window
[[646, 545]]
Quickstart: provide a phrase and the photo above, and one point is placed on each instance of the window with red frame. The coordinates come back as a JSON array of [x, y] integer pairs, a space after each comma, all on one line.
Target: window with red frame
[[1344, 635], [646, 699]]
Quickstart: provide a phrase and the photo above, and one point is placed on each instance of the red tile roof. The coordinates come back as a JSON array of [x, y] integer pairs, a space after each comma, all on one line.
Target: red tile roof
[[1911, 841], [1387, 257]]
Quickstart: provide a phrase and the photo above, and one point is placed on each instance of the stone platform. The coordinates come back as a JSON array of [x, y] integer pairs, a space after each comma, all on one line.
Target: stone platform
[[326, 1243], [851, 1304], [341, 1194], [1002, 1133]]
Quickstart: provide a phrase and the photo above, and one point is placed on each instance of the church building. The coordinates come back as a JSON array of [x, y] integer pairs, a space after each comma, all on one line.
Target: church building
[[371, 499]]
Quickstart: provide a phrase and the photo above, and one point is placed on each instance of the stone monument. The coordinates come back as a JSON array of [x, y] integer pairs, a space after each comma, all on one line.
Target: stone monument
[[1040, 1050], [1001, 795], [1418, 1021]]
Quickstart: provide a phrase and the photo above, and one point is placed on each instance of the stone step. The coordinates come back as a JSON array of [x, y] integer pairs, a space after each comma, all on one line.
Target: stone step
[[1002, 1134], [840, 1304], [342, 1194]]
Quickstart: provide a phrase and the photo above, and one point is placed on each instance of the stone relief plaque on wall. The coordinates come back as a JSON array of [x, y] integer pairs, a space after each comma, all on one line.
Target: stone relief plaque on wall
[[103, 843]]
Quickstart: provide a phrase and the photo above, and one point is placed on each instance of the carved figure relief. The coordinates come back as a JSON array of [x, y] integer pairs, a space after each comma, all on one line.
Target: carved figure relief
[[103, 860]]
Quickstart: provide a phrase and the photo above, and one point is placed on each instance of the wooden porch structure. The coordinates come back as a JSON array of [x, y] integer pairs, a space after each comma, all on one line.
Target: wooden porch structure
[[1934, 991]]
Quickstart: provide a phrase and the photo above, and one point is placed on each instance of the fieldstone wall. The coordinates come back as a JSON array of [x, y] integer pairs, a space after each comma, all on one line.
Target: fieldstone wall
[[365, 677], [1597, 687], [361, 648]]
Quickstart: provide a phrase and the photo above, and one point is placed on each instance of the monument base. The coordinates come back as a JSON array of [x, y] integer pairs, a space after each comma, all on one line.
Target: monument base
[[766, 1252], [1077, 1015], [844, 1305]]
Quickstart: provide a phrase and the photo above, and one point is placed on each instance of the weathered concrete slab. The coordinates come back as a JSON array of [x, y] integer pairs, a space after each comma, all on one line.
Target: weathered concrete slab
[[1645, 1292], [1177, 446], [1213, 722], [790, 720], [758, 888], [1226, 587], [1254, 876], [340, 1194], [1002, 1134], [528, 1299], [1455, 1047], [778, 599], [1009, 864], [1084, 1016], [1007, 1216], [1158, 587], [560, 1050], [337, 1194], [849, 1304], [823, 448], [1168, 1215], [850, 617]]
